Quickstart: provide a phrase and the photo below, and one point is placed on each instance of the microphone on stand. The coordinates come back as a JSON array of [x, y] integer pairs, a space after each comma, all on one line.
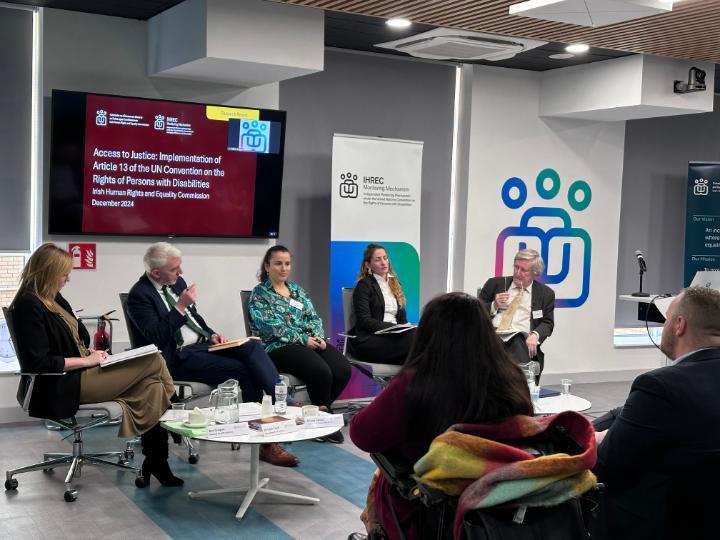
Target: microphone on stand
[[643, 269], [641, 261]]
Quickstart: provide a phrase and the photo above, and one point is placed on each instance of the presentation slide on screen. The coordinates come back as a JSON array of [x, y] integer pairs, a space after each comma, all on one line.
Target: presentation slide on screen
[[155, 166]]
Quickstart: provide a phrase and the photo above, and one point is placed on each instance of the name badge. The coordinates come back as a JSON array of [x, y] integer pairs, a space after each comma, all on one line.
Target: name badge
[[324, 421], [228, 430], [294, 303], [537, 314]]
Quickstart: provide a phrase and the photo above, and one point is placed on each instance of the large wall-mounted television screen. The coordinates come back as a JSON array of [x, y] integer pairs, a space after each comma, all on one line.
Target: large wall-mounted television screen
[[135, 166]]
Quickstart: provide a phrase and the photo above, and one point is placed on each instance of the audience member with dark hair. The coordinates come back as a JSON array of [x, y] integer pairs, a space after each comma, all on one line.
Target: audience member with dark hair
[[457, 372], [283, 317], [51, 340], [660, 458], [379, 303]]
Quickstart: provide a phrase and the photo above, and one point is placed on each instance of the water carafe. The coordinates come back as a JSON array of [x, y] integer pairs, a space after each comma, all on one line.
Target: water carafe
[[225, 400]]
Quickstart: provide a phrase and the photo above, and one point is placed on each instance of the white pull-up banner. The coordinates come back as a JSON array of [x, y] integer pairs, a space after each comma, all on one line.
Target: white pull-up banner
[[376, 185]]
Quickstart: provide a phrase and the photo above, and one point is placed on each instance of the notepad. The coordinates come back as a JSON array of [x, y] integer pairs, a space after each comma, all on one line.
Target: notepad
[[129, 355], [228, 344], [396, 329]]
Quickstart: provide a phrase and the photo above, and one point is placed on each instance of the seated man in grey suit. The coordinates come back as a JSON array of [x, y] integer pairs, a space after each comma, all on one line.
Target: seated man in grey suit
[[522, 308], [162, 309], [660, 459]]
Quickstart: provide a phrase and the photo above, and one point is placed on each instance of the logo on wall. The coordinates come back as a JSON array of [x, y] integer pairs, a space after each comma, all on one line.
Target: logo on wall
[[557, 243], [101, 118], [701, 187], [83, 256], [348, 186], [159, 123]]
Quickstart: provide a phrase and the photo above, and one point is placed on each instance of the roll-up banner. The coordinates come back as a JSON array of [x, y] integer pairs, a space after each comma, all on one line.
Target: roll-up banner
[[376, 186], [702, 228]]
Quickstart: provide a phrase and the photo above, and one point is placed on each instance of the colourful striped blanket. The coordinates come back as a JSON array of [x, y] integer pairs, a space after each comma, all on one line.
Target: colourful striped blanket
[[482, 464]]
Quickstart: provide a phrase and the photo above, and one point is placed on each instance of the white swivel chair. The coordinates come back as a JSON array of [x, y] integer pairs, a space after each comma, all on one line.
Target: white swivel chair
[[297, 389], [108, 409], [380, 373], [186, 390]]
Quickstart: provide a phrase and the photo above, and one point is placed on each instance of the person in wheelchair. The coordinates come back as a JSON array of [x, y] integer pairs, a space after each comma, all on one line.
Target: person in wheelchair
[[457, 371]]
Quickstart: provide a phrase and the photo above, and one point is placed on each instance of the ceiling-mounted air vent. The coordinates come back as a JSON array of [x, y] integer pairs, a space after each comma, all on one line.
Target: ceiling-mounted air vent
[[450, 44], [593, 13]]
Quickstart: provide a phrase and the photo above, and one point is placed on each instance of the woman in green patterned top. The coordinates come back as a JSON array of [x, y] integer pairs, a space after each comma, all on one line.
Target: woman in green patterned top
[[283, 317]]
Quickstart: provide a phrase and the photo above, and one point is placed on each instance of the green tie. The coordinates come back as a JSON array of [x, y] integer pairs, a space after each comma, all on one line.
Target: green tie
[[204, 335]]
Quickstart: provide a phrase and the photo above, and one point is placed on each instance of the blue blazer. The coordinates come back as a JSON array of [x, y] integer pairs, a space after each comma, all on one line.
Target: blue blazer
[[152, 321], [660, 460]]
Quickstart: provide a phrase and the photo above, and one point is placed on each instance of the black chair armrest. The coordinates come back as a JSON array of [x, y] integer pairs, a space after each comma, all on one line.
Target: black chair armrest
[[399, 473]]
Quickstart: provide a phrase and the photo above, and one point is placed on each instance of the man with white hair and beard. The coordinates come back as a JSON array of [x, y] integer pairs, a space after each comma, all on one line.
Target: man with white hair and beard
[[660, 458]]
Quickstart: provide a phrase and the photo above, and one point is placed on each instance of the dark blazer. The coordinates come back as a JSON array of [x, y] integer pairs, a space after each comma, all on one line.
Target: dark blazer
[[542, 298], [660, 460], [369, 307], [153, 322], [43, 341]]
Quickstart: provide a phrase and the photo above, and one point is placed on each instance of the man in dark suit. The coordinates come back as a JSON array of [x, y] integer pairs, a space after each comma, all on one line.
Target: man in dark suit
[[161, 307], [522, 308], [660, 459]]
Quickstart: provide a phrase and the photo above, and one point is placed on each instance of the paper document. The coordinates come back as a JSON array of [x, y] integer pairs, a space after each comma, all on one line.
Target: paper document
[[396, 329], [128, 355], [228, 344]]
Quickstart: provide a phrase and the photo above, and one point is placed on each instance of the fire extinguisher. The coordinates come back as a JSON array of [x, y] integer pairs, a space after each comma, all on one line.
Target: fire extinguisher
[[101, 341]]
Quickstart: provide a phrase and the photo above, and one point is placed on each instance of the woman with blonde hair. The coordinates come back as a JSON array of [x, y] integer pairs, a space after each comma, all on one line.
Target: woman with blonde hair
[[379, 303], [49, 339]]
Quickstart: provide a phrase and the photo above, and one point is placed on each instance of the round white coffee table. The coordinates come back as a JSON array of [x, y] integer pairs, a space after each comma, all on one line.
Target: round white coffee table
[[257, 484], [556, 404]]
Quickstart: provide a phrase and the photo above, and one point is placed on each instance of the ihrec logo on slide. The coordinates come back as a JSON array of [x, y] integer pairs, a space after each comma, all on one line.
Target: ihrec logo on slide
[[348, 186], [565, 249]]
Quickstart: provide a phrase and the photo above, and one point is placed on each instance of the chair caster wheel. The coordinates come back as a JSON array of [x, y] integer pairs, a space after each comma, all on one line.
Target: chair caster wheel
[[129, 454], [11, 484], [140, 482], [123, 461], [193, 459], [70, 495], [47, 471], [234, 446]]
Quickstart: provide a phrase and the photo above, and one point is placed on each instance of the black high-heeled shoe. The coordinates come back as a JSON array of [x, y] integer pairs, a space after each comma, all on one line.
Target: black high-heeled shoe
[[160, 470]]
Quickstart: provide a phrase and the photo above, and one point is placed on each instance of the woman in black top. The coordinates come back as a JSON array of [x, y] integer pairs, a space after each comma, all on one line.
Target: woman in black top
[[49, 339], [378, 303]]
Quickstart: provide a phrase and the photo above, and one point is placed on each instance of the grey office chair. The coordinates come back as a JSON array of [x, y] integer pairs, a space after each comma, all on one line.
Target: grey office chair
[[297, 389], [186, 390], [380, 373], [78, 457]]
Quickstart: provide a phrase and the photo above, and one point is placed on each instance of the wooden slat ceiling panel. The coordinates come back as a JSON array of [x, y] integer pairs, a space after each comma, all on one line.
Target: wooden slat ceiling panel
[[691, 31]]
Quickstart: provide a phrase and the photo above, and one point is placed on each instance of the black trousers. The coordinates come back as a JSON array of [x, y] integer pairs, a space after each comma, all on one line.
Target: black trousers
[[248, 364], [326, 372], [383, 349]]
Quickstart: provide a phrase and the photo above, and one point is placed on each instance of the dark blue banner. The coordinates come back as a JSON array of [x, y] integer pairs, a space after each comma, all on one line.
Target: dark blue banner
[[702, 229]]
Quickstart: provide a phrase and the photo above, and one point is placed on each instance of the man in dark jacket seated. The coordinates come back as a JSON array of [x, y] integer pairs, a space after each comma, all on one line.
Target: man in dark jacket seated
[[660, 458], [162, 309]]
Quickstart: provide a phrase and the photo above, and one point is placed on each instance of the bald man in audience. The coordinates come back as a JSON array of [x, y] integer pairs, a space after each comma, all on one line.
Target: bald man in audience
[[660, 459]]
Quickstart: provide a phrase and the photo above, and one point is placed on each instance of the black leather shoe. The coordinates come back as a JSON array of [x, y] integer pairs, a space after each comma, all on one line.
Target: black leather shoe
[[160, 470]]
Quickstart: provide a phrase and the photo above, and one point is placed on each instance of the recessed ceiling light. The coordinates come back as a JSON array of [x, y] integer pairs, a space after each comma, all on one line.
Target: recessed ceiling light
[[398, 23], [561, 56], [577, 48]]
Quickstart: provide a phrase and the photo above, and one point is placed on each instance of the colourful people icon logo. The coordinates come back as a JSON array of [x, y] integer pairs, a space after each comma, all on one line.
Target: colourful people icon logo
[[556, 243]]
